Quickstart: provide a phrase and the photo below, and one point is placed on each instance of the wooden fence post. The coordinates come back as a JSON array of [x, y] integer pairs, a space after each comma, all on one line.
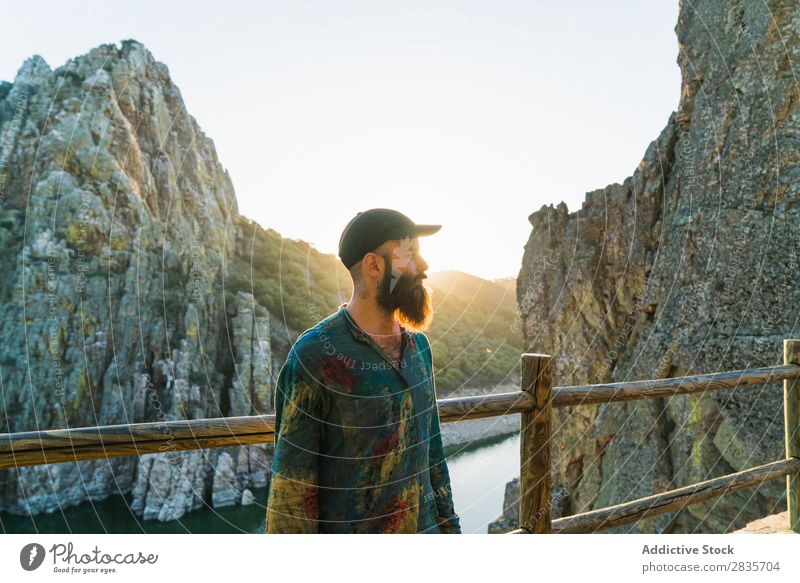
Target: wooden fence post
[[535, 503], [791, 412]]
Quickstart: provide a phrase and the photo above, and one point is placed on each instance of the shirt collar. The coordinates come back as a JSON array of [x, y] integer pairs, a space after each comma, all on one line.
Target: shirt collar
[[408, 350], [361, 334]]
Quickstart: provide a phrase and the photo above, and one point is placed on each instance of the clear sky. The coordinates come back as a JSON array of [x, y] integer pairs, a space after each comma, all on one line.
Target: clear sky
[[468, 114]]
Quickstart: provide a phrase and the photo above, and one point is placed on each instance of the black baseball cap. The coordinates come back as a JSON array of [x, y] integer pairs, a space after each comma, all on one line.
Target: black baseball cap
[[368, 229]]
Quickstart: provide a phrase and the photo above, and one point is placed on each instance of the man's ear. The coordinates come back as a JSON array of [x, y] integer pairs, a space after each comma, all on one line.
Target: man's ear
[[372, 265]]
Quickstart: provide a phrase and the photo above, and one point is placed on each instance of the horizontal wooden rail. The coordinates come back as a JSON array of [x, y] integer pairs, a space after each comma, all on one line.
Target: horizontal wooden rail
[[87, 443], [629, 391], [33, 448], [477, 407], [627, 512]]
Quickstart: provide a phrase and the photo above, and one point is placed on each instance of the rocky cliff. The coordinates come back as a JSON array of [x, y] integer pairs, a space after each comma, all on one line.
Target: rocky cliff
[[689, 266], [118, 228]]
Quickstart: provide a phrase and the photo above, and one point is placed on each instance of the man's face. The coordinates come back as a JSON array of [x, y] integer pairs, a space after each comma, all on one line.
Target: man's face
[[401, 291]]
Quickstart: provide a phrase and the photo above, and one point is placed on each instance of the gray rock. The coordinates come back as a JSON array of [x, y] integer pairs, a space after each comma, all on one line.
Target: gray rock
[[509, 519], [689, 266], [248, 498], [118, 223], [251, 392], [169, 485], [225, 491]]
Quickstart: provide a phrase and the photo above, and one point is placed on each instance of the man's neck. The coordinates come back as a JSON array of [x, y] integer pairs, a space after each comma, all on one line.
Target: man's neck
[[371, 319]]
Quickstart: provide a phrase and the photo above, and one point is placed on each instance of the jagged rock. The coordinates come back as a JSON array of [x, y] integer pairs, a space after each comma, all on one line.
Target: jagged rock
[[248, 498], [251, 393], [509, 519], [118, 223], [689, 266], [257, 472], [168, 485], [224, 488]]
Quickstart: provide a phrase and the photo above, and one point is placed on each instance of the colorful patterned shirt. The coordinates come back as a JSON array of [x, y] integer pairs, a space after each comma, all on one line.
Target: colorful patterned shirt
[[358, 446]]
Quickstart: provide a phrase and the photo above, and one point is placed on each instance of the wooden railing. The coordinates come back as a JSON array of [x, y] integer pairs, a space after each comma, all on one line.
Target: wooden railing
[[535, 479], [535, 403]]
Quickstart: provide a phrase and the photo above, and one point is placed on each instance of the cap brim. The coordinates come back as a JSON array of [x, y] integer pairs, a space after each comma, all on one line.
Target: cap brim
[[424, 230]]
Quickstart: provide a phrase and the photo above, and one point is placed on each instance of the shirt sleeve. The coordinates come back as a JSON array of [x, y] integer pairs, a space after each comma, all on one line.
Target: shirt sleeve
[[300, 409], [449, 521]]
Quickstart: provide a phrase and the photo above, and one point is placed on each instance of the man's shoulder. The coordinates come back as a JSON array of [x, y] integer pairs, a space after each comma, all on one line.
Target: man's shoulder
[[314, 342], [422, 344], [421, 340]]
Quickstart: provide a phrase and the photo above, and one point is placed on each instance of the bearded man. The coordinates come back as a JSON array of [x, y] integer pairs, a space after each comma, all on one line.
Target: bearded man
[[358, 446]]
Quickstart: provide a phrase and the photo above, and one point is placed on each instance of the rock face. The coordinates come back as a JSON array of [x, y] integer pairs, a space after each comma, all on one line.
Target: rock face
[[509, 519], [117, 224], [773, 524], [689, 266]]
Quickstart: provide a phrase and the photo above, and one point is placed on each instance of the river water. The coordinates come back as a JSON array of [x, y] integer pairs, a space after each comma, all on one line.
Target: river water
[[478, 476]]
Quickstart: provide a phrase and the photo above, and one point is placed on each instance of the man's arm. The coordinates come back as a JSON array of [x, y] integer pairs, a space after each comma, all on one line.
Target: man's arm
[[449, 521], [293, 503]]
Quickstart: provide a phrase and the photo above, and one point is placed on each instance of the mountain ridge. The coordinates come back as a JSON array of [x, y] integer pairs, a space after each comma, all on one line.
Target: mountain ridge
[[136, 292]]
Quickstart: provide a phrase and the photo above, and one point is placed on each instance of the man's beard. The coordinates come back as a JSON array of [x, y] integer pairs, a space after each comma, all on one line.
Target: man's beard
[[408, 299]]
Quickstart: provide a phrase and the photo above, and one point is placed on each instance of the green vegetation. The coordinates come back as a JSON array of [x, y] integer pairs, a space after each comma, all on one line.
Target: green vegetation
[[474, 343], [473, 340], [297, 284]]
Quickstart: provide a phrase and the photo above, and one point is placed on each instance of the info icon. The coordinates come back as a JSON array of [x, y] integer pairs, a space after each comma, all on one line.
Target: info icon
[[31, 556]]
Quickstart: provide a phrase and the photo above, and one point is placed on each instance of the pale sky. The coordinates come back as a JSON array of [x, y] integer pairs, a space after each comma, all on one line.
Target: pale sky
[[468, 114]]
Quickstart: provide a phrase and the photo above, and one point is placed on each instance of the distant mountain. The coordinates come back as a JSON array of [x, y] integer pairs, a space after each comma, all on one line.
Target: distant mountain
[[475, 333], [510, 282]]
